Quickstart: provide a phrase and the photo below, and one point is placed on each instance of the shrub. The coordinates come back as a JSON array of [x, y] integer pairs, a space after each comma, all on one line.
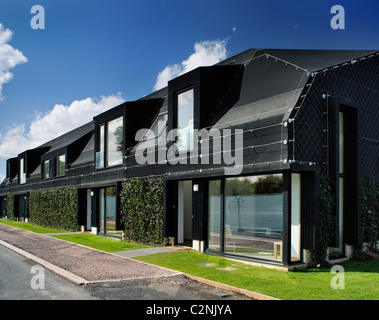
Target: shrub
[[10, 207], [327, 221], [141, 202], [54, 208], [370, 212]]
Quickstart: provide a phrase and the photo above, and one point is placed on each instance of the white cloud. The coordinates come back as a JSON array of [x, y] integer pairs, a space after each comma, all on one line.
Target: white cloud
[[9, 58], [206, 53], [53, 123]]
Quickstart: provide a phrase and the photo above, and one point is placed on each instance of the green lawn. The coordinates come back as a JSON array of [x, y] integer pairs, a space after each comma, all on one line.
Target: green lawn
[[100, 243], [361, 278], [86, 239], [29, 226]]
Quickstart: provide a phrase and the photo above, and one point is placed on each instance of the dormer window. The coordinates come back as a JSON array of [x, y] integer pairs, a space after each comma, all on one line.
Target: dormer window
[[46, 169], [22, 177], [110, 144], [185, 117], [60, 165]]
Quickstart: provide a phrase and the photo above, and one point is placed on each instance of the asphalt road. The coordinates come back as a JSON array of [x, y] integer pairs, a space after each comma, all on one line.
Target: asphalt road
[[23, 279], [18, 277]]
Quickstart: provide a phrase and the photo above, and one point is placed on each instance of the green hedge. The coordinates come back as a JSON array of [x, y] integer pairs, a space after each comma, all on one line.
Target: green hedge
[[370, 212], [54, 208], [142, 211], [327, 221], [10, 206]]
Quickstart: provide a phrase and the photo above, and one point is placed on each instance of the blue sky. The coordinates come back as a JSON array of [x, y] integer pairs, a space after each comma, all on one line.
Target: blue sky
[[93, 54]]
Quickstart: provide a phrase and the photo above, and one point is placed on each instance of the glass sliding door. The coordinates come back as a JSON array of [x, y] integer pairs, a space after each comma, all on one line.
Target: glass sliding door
[[102, 210], [214, 215], [253, 209], [108, 210]]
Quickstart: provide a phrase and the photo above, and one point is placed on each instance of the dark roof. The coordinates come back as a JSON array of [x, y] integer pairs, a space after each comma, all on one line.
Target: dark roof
[[69, 137], [307, 59], [273, 80]]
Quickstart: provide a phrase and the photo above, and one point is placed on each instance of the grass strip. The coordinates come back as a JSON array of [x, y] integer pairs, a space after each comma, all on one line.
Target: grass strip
[[30, 227], [361, 278], [100, 243]]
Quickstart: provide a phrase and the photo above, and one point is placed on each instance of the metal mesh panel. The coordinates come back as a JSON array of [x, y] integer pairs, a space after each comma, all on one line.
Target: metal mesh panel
[[356, 83]]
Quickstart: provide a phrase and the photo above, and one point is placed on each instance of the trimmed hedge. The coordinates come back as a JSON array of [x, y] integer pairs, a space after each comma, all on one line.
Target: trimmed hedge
[[54, 208], [10, 207], [142, 211], [327, 221], [370, 212]]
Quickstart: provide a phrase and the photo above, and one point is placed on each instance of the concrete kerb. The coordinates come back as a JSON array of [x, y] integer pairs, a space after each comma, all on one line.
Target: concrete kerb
[[222, 286], [81, 281], [63, 273]]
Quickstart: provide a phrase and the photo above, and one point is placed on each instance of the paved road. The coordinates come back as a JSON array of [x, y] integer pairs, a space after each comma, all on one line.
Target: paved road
[[106, 276], [17, 279]]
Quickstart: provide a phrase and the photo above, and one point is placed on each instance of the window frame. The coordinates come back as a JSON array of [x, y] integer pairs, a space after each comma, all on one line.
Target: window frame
[[43, 169], [57, 165], [190, 148], [22, 171], [101, 149], [285, 233]]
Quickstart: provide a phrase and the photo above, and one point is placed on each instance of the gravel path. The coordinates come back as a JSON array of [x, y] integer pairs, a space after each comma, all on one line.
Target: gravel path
[[89, 264]]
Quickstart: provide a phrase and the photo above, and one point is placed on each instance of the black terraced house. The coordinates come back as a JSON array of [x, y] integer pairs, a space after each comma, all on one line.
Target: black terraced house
[[299, 113]]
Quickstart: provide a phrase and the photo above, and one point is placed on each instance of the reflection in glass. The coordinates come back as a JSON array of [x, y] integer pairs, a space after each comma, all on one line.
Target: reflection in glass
[[100, 153], [102, 210], [214, 211], [114, 142], [22, 171], [61, 165], [295, 216], [46, 169], [110, 209], [185, 124], [254, 216]]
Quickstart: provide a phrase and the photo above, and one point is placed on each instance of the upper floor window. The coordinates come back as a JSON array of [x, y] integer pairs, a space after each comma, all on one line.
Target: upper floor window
[[60, 165], [185, 126], [46, 169], [22, 178], [110, 144]]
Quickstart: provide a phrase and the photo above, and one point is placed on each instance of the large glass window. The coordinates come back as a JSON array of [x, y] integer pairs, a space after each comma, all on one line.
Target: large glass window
[[114, 140], [185, 126], [22, 178], [46, 169], [295, 216], [254, 216], [100, 153], [110, 144], [214, 214], [61, 165], [248, 220]]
